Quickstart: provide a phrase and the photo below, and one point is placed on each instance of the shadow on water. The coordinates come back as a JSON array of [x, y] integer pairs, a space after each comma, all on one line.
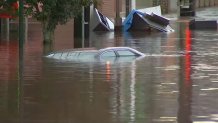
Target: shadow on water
[[171, 84]]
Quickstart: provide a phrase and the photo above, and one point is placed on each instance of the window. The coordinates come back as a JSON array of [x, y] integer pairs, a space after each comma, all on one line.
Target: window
[[86, 55], [108, 54], [72, 54], [125, 53]]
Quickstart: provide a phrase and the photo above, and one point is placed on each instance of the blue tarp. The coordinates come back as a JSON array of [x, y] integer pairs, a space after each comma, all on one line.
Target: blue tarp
[[128, 21]]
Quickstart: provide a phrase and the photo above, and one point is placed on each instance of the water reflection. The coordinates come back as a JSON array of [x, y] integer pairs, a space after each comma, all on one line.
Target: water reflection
[[204, 73], [20, 86], [185, 85], [132, 93], [175, 82]]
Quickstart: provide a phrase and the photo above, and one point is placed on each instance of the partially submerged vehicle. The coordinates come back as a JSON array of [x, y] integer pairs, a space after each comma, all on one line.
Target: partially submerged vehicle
[[110, 54], [101, 22], [147, 19]]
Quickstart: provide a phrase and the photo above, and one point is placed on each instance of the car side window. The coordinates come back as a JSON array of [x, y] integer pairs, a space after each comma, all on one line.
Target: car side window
[[125, 53], [108, 54], [72, 54]]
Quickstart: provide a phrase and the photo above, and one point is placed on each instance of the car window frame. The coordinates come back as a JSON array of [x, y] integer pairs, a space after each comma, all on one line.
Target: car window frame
[[100, 54], [118, 55]]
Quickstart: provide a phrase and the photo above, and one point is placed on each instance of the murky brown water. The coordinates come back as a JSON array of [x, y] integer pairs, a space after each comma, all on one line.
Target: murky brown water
[[175, 83]]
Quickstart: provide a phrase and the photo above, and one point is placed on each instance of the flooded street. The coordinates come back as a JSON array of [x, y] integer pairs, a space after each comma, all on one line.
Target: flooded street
[[177, 81]]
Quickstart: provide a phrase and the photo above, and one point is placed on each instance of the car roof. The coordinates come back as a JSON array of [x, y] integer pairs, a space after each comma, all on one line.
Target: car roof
[[114, 48], [121, 48]]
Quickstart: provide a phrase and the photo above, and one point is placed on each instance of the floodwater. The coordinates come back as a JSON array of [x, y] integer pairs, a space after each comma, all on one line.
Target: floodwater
[[177, 81]]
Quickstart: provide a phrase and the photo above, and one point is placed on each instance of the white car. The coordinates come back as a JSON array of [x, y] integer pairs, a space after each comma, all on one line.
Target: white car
[[112, 54]]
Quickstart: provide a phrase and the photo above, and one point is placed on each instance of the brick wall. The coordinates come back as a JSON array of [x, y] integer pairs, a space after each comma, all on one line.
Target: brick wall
[[108, 8]]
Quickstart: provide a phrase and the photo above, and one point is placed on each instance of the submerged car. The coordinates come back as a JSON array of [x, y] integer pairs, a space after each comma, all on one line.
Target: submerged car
[[111, 54]]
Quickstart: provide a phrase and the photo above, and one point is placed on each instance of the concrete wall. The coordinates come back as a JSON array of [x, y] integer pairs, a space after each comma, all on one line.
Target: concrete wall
[[172, 6], [165, 5], [140, 4]]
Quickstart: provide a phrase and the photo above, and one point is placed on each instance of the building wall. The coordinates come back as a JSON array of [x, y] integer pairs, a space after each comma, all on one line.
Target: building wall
[[206, 3], [164, 5], [108, 8], [140, 4], [172, 6], [64, 34]]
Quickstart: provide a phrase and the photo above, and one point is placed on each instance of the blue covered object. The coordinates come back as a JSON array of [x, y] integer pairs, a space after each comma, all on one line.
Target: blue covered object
[[139, 21], [129, 19]]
